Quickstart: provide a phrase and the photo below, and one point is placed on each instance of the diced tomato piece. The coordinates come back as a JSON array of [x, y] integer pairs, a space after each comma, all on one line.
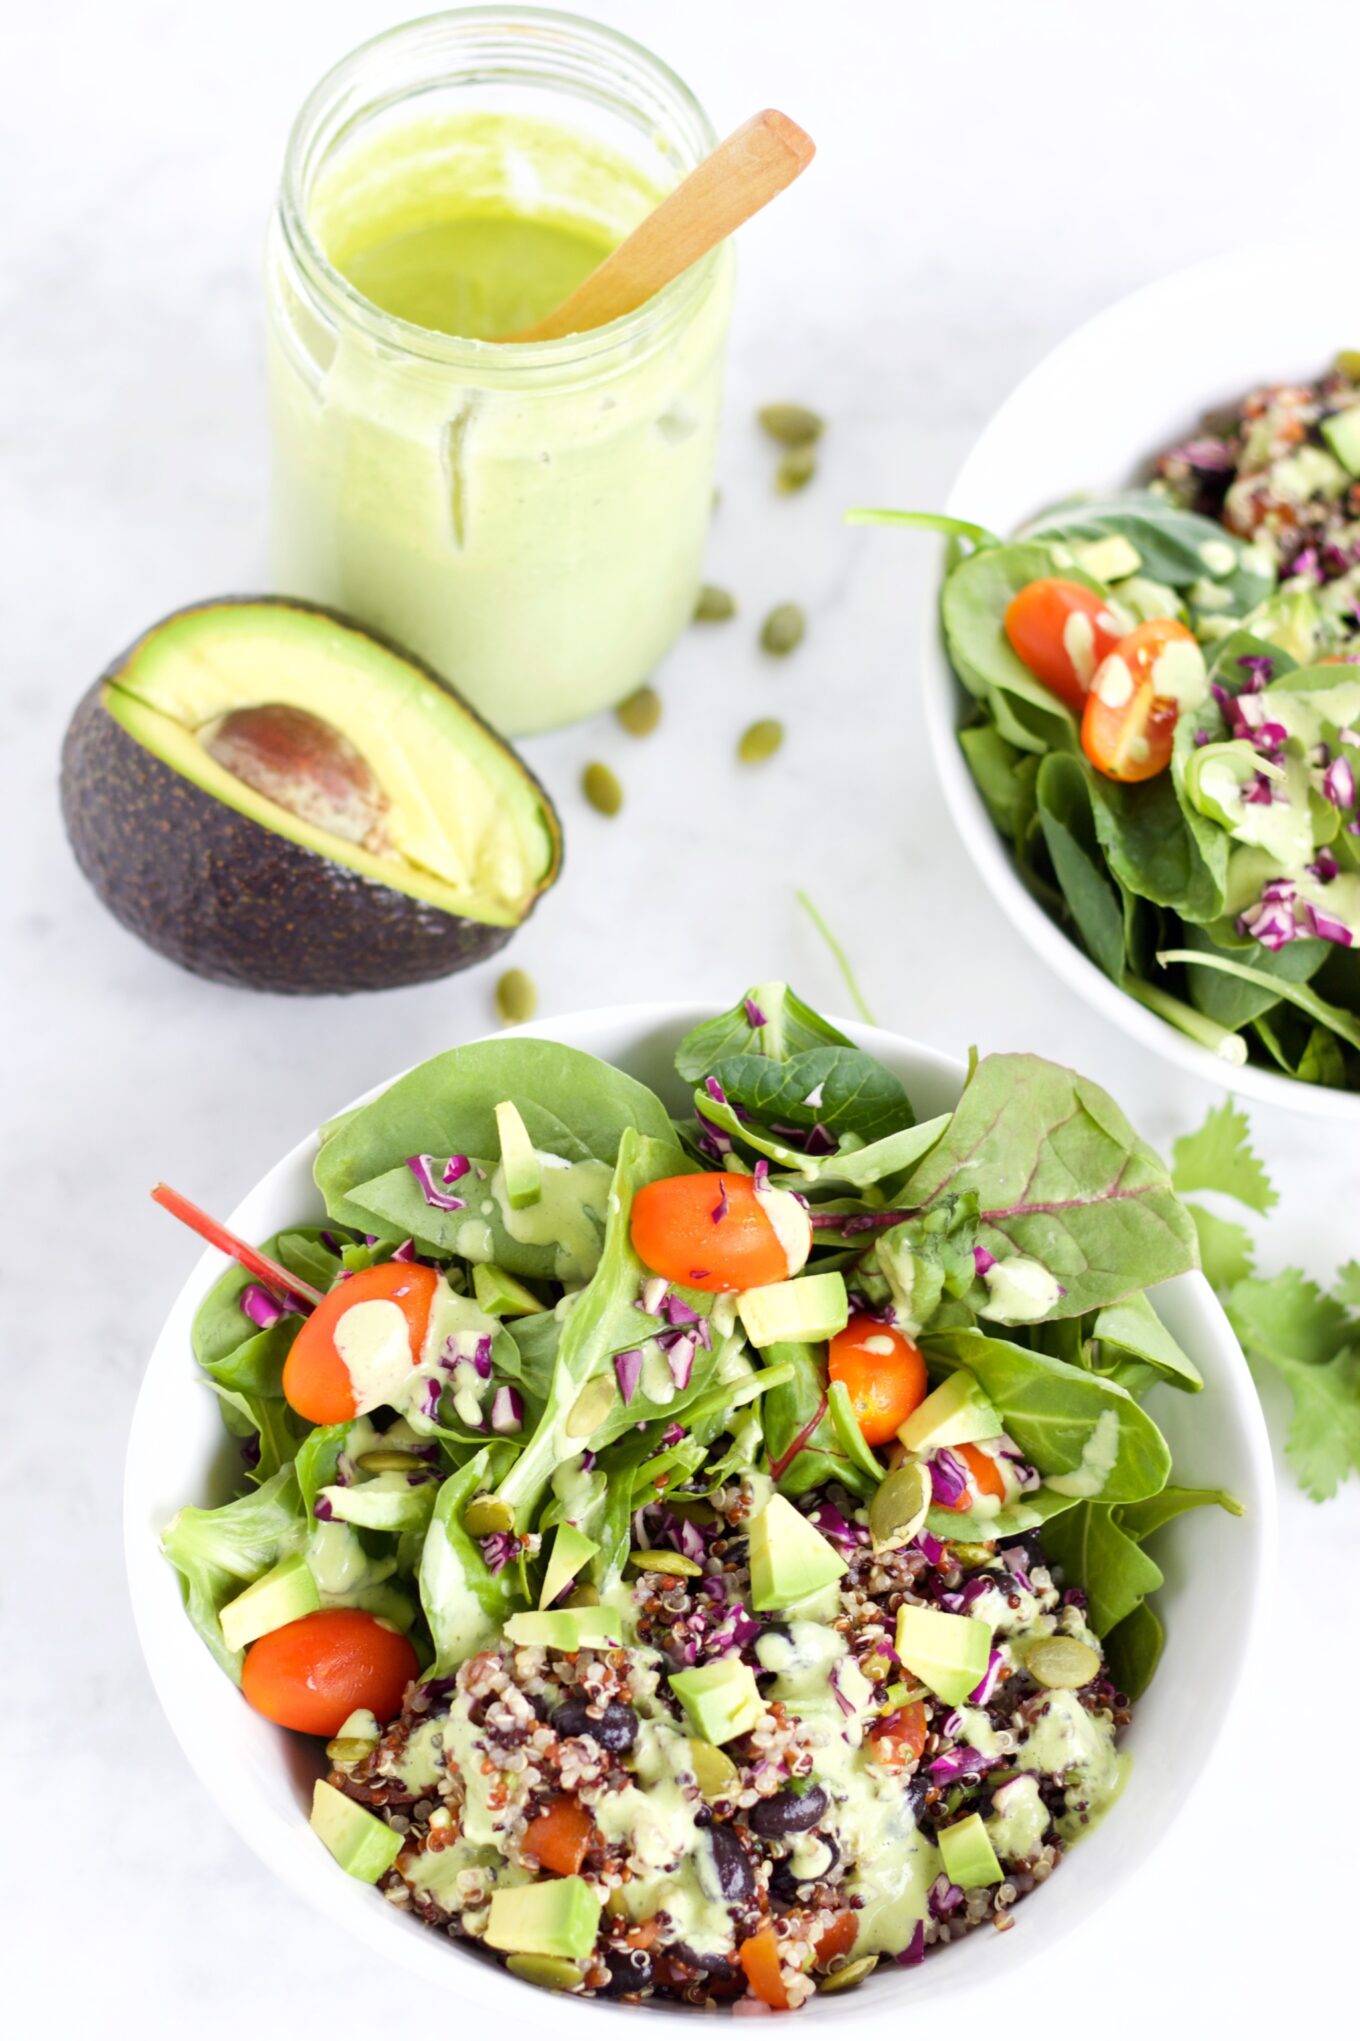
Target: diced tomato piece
[[900, 1737], [838, 1940], [759, 1956], [559, 1836], [884, 1373]]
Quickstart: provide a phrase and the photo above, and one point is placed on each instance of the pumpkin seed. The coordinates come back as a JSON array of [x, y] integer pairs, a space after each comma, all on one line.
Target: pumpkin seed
[[552, 1973], [791, 424], [783, 629], [965, 1554], [485, 1515], [898, 1506], [715, 1774], [388, 1460], [1348, 363], [1062, 1662], [761, 741], [640, 712], [847, 1978], [667, 1562], [795, 471], [601, 789], [585, 1597], [516, 998], [714, 605], [591, 1407], [350, 1750]]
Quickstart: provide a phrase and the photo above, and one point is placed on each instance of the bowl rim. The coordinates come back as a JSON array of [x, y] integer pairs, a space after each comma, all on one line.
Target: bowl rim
[[944, 695], [271, 1832]]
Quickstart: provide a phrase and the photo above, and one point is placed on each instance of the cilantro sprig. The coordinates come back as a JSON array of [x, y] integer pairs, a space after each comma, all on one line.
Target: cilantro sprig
[[1309, 1336]]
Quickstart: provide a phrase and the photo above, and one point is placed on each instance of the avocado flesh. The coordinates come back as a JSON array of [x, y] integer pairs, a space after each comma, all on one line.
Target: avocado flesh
[[466, 825], [227, 883]]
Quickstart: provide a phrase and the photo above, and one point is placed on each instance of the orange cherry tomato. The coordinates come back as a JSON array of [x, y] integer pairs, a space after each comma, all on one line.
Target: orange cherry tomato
[[1061, 632], [986, 1472], [312, 1673], [1127, 727], [709, 1233], [315, 1379], [884, 1373], [900, 1737], [838, 1940], [759, 1956], [558, 1837]]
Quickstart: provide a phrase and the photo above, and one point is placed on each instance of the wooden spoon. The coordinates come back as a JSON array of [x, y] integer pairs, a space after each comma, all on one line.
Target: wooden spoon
[[743, 174]]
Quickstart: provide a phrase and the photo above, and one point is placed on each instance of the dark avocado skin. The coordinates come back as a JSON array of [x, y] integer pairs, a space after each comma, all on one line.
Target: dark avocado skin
[[218, 893]]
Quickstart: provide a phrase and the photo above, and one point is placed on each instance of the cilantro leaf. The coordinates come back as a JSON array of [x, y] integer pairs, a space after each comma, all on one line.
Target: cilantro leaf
[[1323, 1445], [1220, 1157], [1226, 1252], [1348, 1284], [1287, 1319]]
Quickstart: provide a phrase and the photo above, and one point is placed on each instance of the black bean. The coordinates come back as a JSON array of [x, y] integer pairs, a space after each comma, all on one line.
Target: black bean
[[787, 1887], [736, 1880], [716, 1966], [788, 1813], [629, 1970], [616, 1730]]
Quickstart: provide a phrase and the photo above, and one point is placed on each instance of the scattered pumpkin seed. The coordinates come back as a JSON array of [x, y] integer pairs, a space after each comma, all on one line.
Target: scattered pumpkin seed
[[388, 1461], [585, 1597], [791, 424], [485, 1515], [550, 1973], [1348, 363], [966, 1554], [714, 1772], [849, 1976], [640, 712], [796, 470], [898, 1506], [601, 789], [783, 629], [591, 1407], [350, 1750], [1062, 1662], [516, 998], [760, 741], [714, 605], [667, 1562]]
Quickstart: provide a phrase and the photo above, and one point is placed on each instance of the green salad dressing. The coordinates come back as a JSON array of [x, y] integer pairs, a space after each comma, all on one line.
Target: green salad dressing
[[478, 275]]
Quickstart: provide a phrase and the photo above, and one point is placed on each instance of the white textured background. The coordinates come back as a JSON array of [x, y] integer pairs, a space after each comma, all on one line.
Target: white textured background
[[988, 175]]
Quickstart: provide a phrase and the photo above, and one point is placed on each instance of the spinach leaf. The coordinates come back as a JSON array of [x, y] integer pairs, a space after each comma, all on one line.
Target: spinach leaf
[[219, 1552], [928, 1257], [1131, 1332], [1091, 897], [973, 605], [572, 1105], [1344, 1025], [799, 1409], [1146, 834], [842, 1089], [1312, 1054], [228, 1346], [878, 1160], [769, 1020], [1026, 1513], [318, 1458], [1060, 1177], [848, 1434], [570, 1214], [1086, 1435], [1096, 1554], [1230, 1001], [1178, 547], [1138, 1520], [266, 1419], [1133, 1650], [465, 1603], [992, 762]]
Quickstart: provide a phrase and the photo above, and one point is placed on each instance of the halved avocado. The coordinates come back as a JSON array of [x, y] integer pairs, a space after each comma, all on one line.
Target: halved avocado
[[272, 796]]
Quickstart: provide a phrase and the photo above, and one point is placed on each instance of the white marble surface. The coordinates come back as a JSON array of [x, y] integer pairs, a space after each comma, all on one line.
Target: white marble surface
[[988, 176]]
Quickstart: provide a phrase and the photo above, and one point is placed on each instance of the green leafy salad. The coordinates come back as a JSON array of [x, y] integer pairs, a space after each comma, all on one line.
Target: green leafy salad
[[712, 1544], [1164, 723]]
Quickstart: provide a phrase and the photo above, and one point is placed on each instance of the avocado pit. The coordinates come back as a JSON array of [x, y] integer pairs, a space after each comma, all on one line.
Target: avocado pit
[[306, 765]]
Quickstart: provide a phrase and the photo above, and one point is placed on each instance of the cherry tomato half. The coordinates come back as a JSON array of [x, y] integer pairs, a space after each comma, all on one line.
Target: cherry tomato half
[[715, 1232], [900, 1737], [312, 1673], [1061, 632], [988, 1475], [1127, 728], [884, 1373], [315, 1379]]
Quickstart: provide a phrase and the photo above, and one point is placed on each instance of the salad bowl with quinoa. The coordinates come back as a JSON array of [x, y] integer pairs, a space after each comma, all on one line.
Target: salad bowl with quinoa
[[690, 1533]]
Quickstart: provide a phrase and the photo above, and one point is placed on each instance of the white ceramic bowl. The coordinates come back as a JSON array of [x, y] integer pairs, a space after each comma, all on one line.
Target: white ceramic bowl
[[1217, 1572], [1130, 382]]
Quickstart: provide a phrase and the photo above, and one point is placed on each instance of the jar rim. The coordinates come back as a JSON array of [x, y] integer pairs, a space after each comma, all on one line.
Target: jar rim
[[487, 357]]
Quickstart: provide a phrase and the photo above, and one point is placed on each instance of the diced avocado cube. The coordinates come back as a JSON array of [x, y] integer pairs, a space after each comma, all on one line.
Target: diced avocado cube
[[553, 1917], [1112, 559], [563, 1629], [950, 1653], [789, 1558], [359, 1842], [571, 1549], [721, 1699], [804, 1308], [280, 1596], [1342, 434], [969, 1858], [954, 1414], [519, 1158], [499, 1295]]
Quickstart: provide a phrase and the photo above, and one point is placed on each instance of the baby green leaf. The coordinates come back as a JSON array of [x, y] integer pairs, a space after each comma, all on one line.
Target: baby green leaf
[[1133, 1650], [1095, 1553]]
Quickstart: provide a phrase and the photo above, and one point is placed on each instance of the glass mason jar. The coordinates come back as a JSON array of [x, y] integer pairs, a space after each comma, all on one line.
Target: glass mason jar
[[528, 518]]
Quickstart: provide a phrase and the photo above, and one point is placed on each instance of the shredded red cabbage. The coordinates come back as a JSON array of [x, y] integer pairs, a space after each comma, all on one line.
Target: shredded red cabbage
[[948, 1479], [915, 1951], [259, 1307], [507, 1410], [628, 1368], [986, 1686], [422, 1169], [754, 1017]]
